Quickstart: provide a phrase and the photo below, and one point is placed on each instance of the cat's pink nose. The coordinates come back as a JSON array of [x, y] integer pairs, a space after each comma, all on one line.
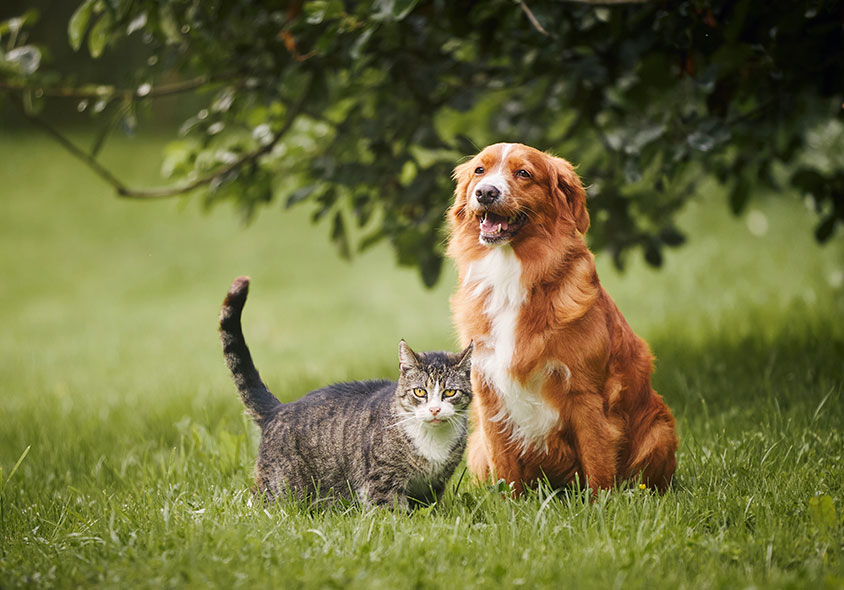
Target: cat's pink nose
[[435, 411]]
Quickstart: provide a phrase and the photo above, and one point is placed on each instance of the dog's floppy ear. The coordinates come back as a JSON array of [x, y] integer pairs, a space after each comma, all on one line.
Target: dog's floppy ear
[[567, 183], [462, 176]]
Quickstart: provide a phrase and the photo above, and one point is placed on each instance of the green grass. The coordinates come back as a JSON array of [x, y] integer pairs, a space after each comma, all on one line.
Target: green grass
[[139, 462]]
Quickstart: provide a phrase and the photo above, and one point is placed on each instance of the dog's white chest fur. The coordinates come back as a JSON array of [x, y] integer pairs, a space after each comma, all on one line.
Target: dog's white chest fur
[[497, 278]]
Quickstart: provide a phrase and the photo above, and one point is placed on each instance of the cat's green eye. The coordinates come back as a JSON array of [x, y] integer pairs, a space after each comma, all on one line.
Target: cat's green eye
[[419, 392], [449, 393]]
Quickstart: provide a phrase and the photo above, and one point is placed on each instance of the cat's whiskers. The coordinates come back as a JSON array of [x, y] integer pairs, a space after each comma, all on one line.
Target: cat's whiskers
[[408, 418]]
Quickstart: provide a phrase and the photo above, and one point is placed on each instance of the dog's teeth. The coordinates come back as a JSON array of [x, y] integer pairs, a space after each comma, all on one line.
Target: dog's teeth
[[498, 230]]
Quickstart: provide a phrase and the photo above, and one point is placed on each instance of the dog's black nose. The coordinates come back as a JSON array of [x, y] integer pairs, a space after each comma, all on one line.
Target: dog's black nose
[[487, 194]]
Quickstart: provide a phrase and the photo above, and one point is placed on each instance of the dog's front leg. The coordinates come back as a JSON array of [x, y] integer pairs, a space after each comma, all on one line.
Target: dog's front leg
[[490, 451], [477, 448], [597, 439]]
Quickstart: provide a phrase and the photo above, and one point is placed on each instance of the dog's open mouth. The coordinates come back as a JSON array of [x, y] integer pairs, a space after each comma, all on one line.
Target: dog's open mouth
[[497, 228]]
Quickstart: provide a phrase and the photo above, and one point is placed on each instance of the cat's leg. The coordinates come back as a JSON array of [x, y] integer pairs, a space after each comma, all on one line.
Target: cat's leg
[[383, 494]]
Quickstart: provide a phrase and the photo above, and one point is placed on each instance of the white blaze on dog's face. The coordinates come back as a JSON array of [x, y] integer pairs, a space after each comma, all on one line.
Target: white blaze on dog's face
[[510, 191]]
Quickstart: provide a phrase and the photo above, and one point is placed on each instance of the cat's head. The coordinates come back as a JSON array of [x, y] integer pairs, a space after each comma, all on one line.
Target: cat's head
[[434, 387]]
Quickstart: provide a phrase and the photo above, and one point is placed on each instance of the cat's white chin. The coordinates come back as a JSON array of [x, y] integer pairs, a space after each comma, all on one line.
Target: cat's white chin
[[434, 439]]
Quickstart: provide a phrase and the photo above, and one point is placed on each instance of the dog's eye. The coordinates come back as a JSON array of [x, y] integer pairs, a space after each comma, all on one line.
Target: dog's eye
[[479, 170], [523, 173]]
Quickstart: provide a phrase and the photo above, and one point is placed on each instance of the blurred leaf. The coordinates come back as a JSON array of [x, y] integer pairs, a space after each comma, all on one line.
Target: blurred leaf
[[168, 23], [24, 59], [430, 267], [371, 239], [645, 136], [393, 9], [338, 235], [809, 181], [178, 158], [33, 104], [653, 253], [98, 36], [78, 23], [701, 141], [822, 512], [825, 229], [671, 236], [739, 195], [14, 25], [632, 170], [137, 23], [318, 11], [300, 195]]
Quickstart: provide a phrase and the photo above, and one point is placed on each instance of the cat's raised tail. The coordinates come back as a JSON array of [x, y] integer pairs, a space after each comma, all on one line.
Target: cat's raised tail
[[260, 403]]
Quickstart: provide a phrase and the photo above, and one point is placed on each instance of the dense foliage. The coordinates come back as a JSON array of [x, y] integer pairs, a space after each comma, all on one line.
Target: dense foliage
[[363, 108]]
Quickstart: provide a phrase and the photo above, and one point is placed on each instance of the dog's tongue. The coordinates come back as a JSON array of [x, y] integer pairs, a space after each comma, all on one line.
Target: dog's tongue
[[491, 221]]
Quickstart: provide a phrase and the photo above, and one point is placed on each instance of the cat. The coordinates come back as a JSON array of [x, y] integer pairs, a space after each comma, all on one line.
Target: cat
[[380, 442]]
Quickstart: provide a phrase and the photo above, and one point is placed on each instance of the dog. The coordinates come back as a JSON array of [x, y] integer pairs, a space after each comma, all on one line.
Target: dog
[[562, 383]]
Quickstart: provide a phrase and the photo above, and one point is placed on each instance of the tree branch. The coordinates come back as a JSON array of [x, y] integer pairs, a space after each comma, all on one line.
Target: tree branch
[[74, 150], [599, 2], [169, 191], [533, 19], [106, 91]]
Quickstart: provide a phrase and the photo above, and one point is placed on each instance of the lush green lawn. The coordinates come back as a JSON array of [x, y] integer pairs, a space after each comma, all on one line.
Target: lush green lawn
[[139, 462]]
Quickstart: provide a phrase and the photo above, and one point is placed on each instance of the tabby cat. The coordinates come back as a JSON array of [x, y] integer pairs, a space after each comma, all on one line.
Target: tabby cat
[[382, 442]]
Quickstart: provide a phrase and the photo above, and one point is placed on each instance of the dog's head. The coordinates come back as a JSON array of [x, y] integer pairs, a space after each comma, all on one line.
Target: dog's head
[[510, 193]]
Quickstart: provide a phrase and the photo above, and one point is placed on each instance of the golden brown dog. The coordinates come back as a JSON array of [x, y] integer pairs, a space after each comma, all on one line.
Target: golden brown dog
[[562, 383]]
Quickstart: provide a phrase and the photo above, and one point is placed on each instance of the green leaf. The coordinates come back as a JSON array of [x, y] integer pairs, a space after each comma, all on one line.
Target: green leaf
[[822, 512], [372, 239], [15, 24], [393, 9], [300, 195], [338, 235], [430, 267], [671, 236], [169, 25], [79, 24], [98, 37], [809, 180], [653, 253], [739, 195], [24, 60], [701, 141], [318, 11], [825, 229]]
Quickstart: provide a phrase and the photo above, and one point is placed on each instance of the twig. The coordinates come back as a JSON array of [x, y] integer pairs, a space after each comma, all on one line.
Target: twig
[[98, 168], [168, 191], [609, 1], [532, 19], [106, 91]]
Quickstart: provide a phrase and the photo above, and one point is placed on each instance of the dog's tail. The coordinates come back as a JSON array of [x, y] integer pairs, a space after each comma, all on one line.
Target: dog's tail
[[260, 403]]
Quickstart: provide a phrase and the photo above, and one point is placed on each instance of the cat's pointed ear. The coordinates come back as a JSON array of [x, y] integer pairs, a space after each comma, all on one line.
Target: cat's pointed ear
[[465, 362], [407, 358]]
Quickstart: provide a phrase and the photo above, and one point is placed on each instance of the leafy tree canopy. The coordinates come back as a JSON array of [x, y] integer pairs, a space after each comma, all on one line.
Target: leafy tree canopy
[[364, 107]]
